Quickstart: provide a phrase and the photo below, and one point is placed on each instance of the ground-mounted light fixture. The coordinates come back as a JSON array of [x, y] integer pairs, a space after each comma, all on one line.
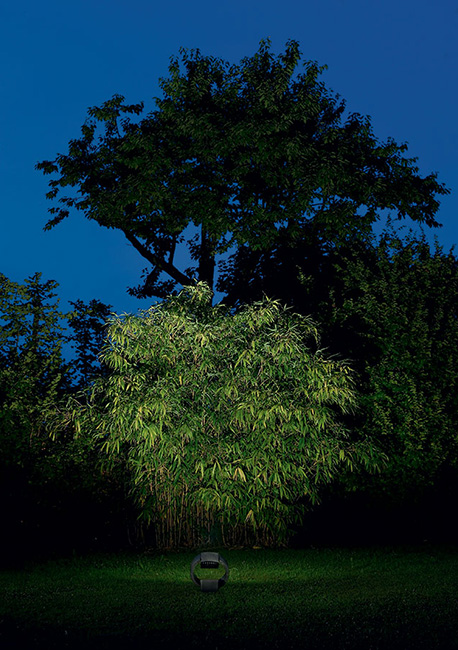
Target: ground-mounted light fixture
[[209, 560]]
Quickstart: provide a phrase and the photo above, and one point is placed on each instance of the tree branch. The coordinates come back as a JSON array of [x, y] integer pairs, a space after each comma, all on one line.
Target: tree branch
[[168, 267]]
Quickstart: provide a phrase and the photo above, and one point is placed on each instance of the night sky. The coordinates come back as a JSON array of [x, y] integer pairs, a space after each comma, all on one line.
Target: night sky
[[394, 60]]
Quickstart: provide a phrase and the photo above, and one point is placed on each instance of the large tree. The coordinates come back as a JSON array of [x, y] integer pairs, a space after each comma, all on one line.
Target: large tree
[[221, 420], [253, 154]]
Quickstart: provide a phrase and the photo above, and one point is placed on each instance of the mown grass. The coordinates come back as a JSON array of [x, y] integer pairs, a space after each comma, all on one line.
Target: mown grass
[[313, 598]]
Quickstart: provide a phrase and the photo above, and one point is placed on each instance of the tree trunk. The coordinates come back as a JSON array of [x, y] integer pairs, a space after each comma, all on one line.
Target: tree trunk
[[207, 259]]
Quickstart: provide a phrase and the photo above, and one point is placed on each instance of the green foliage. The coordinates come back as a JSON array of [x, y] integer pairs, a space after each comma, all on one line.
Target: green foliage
[[399, 307], [32, 371], [251, 154], [40, 477], [261, 160], [32, 378], [232, 413], [389, 305]]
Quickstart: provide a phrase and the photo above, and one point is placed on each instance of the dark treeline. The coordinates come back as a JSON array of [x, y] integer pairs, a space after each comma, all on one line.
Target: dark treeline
[[282, 189], [54, 496]]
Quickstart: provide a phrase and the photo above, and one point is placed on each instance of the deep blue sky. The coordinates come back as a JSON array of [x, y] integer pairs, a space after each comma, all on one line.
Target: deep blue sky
[[394, 60]]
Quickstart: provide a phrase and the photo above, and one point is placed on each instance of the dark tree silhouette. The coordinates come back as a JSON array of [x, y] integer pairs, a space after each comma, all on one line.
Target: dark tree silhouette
[[256, 154]]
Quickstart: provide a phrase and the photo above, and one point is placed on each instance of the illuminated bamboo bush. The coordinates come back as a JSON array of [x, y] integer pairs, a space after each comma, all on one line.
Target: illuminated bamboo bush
[[225, 420]]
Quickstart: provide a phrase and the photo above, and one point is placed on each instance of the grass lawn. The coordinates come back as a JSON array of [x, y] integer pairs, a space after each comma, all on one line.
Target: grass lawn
[[313, 598]]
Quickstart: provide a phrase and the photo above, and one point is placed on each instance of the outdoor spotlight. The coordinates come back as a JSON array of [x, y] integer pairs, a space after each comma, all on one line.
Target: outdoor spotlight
[[209, 560]]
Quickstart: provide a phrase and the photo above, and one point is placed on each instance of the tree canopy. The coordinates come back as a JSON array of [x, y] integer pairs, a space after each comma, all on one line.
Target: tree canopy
[[254, 154]]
